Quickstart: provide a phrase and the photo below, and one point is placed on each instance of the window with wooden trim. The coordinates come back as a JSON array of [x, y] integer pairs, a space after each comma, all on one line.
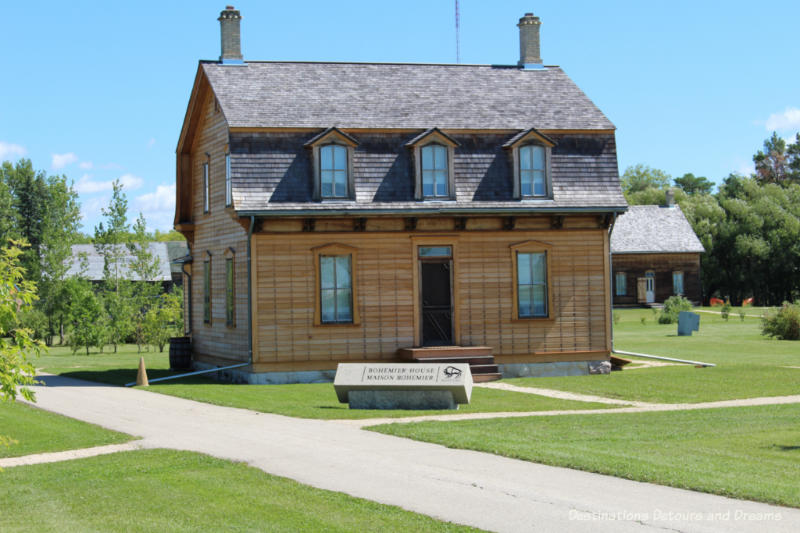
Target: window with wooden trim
[[333, 171], [530, 153], [621, 284], [532, 294], [206, 186], [335, 274], [532, 171], [677, 282], [433, 153], [434, 171], [332, 161], [207, 290], [230, 291], [228, 182]]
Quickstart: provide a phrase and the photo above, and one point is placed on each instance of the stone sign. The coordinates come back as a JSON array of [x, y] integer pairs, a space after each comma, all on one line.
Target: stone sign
[[403, 385]]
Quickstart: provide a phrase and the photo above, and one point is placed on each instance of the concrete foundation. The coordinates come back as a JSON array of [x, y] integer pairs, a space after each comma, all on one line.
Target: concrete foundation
[[550, 370]]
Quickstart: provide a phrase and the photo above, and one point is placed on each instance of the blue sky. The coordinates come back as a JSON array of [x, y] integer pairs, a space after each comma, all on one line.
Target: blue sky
[[97, 91]]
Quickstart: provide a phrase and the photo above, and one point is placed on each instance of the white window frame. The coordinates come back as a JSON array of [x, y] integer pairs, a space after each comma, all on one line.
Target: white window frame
[[435, 175], [333, 171]]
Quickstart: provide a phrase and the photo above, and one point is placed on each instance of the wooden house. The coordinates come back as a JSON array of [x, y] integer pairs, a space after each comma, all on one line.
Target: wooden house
[[655, 255], [367, 211]]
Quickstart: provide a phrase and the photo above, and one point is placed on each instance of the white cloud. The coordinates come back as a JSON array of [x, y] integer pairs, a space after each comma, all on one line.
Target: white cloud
[[158, 207], [62, 160], [86, 185], [788, 119], [8, 150], [86, 165]]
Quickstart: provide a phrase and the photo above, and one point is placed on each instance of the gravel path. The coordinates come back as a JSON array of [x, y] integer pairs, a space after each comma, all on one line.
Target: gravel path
[[478, 489]]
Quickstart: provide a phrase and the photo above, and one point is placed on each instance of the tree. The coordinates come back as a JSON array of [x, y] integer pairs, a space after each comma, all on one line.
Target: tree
[[28, 190], [691, 184], [777, 163], [165, 319], [109, 241], [640, 177], [17, 346], [60, 230], [146, 267], [87, 317]]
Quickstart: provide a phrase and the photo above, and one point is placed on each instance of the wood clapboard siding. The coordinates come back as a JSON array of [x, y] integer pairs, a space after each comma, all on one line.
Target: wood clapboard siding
[[215, 232], [636, 265], [284, 288]]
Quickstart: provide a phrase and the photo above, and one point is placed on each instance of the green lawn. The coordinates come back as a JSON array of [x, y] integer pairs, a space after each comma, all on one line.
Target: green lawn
[[37, 431], [744, 452], [748, 365], [164, 490], [316, 400]]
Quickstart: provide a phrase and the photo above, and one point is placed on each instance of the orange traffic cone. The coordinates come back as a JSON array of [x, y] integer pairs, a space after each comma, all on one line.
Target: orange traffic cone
[[141, 377]]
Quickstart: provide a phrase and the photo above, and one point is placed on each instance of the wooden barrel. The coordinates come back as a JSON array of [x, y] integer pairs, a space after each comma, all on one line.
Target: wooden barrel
[[180, 353]]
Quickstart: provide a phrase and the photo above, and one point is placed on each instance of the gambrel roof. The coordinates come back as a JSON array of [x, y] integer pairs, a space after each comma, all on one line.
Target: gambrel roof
[[400, 96], [646, 229]]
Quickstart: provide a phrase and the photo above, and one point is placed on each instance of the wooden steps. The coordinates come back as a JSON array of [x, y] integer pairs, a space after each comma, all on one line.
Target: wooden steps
[[480, 359]]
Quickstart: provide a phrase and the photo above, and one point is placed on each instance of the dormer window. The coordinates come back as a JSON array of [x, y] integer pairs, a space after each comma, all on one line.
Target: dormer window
[[332, 158], [433, 154], [532, 171], [434, 171], [333, 171], [530, 155]]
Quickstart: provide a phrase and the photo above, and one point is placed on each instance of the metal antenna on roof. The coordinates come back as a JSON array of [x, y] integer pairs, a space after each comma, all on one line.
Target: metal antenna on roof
[[458, 36]]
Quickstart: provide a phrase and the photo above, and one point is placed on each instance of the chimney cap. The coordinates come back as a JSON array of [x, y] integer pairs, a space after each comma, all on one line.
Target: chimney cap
[[529, 18]]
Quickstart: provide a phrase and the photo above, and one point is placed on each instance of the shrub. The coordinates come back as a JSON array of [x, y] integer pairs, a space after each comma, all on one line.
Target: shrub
[[672, 307], [725, 312], [741, 314], [782, 323], [617, 317]]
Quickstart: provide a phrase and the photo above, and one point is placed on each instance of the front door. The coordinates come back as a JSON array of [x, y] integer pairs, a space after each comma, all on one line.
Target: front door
[[650, 276], [436, 298]]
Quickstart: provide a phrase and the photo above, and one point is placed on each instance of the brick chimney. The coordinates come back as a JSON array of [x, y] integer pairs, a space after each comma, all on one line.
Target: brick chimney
[[670, 198], [231, 37], [529, 54]]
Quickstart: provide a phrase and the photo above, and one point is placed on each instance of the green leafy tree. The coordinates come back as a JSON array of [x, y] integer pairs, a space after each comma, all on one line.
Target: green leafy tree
[[165, 320], [145, 266], [110, 240], [777, 162], [28, 189], [640, 177], [60, 230], [692, 185], [17, 345], [87, 316]]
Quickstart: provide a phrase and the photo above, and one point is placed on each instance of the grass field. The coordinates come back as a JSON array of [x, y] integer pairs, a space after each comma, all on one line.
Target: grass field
[[744, 452], [164, 490], [316, 400], [748, 365], [37, 431]]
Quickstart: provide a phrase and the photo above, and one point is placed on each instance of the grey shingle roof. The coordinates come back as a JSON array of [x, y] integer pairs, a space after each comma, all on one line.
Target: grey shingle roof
[[272, 172], [654, 229], [381, 95], [95, 262]]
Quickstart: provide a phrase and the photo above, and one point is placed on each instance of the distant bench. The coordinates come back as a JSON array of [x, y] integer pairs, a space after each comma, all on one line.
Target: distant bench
[[403, 385]]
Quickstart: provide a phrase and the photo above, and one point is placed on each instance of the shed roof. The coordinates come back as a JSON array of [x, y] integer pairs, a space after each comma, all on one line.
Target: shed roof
[[400, 96], [95, 262], [654, 229]]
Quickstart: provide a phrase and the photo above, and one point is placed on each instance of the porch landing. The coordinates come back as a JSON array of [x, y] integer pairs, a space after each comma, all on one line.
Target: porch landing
[[480, 359]]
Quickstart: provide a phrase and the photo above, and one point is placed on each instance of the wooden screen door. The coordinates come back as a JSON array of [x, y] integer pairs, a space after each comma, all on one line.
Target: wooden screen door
[[436, 295]]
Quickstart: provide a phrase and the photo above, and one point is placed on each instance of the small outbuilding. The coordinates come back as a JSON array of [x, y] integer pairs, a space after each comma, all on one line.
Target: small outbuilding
[[655, 255]]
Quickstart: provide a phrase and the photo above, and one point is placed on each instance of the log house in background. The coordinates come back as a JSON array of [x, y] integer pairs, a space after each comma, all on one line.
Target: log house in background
[[350, 211]]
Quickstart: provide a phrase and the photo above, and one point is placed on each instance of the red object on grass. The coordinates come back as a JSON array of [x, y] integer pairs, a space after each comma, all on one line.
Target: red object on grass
[[716, 301], [747, 301]]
